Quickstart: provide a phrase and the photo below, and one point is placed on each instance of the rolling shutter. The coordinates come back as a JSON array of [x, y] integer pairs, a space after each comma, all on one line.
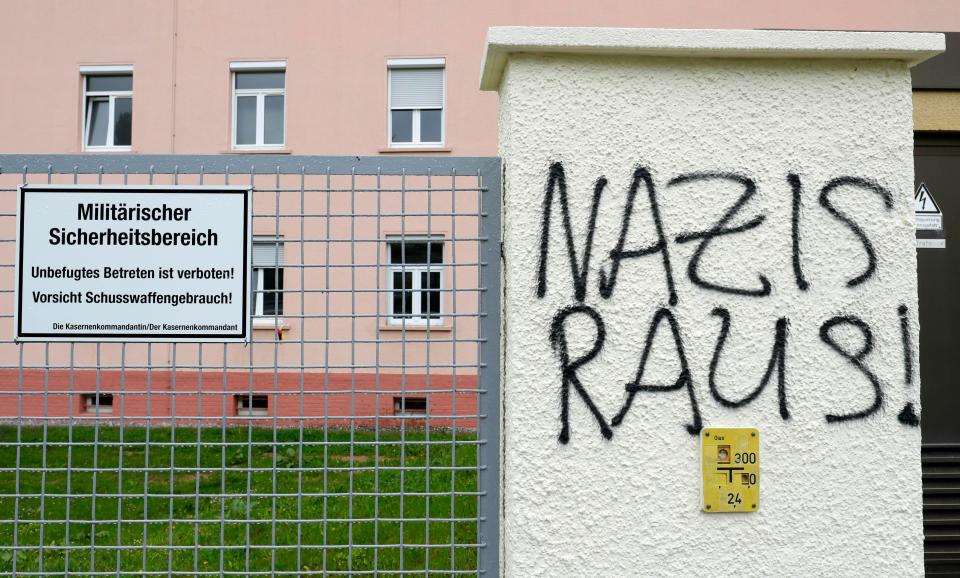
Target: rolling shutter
[[267, 253], [416, 88]]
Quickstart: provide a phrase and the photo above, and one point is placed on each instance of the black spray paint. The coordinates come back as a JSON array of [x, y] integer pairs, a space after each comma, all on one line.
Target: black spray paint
[[797, 189], [618, 254], [579, 266], [683, 380], [568, 368], [908, 415], [856, 360], [777, 361], [853, 226], [557, 184], [720, 229]]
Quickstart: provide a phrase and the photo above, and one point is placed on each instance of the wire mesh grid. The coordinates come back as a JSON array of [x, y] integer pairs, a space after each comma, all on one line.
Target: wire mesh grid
[[354, 434]]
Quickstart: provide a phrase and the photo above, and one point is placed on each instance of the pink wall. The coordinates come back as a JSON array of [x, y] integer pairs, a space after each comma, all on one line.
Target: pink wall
[[336, 55]]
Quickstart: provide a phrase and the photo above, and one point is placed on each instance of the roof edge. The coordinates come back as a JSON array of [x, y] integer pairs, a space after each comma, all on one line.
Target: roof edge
[[501, 42]]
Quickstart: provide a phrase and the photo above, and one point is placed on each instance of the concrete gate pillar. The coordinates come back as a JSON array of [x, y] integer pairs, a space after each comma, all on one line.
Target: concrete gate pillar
[[704, 229]]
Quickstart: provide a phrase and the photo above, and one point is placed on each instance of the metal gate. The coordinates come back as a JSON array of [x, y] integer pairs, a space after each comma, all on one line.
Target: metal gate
[[356, 433]]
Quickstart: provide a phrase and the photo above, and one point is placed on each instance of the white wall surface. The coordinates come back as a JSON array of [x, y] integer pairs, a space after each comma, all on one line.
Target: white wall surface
[[839, 498]]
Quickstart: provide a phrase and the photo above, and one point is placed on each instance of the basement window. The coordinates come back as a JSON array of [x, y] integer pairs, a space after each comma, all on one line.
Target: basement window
[[251, 405], [98, 404], [409, 406]]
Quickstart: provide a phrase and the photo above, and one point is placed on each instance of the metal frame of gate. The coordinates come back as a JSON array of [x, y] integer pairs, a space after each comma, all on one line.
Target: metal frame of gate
[[45, 437]]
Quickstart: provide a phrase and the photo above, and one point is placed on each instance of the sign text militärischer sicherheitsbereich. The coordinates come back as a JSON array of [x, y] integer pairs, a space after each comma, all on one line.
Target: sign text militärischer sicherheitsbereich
[[132, 236]]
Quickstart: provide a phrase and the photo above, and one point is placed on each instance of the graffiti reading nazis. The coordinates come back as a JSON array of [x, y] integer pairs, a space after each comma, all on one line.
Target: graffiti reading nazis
[[556, 206]]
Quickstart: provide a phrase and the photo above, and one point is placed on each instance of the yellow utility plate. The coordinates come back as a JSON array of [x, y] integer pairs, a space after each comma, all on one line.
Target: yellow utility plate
[[731, 469]]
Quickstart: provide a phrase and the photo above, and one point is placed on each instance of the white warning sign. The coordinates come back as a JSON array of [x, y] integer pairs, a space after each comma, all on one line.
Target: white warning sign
[[133, 263], [927, 211]]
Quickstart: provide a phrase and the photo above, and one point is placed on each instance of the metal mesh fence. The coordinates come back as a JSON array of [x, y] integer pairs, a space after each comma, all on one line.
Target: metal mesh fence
[[356, 433]]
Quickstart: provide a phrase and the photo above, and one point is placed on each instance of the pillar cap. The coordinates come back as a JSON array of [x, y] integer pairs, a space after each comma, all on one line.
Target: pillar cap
[[910, 47]]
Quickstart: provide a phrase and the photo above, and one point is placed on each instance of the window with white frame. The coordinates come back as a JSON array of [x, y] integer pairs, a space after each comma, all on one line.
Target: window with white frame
[[259, 90], [108, 107], [416, 102], [251, 405], [267, 281], [415, 281], [97, 404]]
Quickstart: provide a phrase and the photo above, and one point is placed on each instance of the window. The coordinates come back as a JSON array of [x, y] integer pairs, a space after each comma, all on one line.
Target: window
[[416, 102], [97, 404], [108, 107], [258, 104], [267, 279], [251, 405], [409, 406], [415, 278]]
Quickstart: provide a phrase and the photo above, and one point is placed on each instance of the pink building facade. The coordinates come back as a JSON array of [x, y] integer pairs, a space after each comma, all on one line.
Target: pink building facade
[[336, 55], [305, 78]]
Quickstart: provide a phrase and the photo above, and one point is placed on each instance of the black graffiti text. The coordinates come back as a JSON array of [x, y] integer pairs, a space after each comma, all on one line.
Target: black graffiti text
[[739, 216]]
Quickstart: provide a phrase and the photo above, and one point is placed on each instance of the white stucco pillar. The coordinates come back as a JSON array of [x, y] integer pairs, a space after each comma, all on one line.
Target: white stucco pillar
[[753, 227]]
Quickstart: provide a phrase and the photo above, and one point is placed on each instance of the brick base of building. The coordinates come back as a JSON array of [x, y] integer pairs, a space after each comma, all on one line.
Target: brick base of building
[[191, 397]]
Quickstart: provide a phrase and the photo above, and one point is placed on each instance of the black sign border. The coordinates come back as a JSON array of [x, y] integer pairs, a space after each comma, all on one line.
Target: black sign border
[[145, 337]]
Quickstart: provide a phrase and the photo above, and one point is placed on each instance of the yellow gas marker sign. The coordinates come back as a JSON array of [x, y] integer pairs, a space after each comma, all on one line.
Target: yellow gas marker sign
[[731, 469]]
